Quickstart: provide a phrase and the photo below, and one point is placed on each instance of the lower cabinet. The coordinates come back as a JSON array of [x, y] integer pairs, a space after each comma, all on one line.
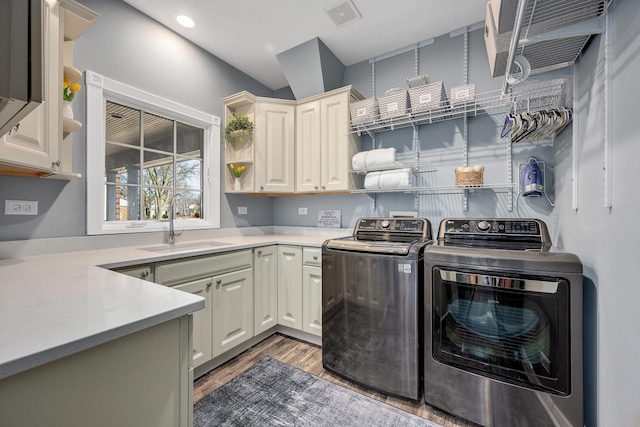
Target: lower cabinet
[[312, 300], [300, 288], [140, 379], [226, 283], [232, 310], [202, 320], [265, 274], [290, 286], [246, 293]]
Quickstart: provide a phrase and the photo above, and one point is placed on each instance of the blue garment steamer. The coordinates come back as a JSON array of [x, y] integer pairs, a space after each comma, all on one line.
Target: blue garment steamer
[[532, 182]]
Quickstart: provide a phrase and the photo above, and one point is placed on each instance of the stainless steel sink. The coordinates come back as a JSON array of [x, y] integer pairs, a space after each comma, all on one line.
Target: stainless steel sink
[[183, 247]]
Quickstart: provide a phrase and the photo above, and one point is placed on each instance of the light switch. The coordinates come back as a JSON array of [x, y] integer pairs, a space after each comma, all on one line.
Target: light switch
[[302, 211], [242, 210]]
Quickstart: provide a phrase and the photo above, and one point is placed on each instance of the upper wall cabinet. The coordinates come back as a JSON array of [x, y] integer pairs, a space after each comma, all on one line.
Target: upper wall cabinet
[[37, 146], [261, 162], [324, 143], [301, 146], [275, 146]]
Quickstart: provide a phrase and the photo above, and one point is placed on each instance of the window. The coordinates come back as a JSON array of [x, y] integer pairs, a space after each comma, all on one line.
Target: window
[[143, 150]]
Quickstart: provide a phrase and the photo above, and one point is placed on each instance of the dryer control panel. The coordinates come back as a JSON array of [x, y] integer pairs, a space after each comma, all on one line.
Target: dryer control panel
[[504, 230]]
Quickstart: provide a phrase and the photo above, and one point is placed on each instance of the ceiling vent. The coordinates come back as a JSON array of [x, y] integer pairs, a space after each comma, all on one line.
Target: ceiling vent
[[342, 12]]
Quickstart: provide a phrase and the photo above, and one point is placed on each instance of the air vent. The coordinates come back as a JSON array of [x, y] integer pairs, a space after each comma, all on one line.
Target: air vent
[[342, 12]]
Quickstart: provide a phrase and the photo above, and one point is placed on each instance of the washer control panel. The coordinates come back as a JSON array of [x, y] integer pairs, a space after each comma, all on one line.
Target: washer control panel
[[390, 227]]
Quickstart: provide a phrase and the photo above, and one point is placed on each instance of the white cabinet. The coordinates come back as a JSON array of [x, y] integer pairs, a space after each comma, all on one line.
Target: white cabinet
[[202, 332], [300, 288], [290, 286], [39, 145], [33, 143], [226, 283], [274, 151], [265, 269], [325, 144], [232, 310], [308, 175], [312, 300], [270, 155], [312, 291]]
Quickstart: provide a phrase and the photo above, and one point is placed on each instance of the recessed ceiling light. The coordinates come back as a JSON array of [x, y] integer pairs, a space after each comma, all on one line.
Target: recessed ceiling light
[[185, 21]]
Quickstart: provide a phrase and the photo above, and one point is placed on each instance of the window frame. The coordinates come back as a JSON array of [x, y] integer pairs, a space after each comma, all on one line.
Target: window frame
[[99, 89]]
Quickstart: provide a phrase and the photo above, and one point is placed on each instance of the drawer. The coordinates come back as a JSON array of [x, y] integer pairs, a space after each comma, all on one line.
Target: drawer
[[176, 271], [143, 272], [312, 256]]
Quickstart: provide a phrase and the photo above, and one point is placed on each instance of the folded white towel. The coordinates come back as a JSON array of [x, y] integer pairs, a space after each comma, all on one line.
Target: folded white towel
[[381, 158], [372, 181], [359, 161], [396, 178]]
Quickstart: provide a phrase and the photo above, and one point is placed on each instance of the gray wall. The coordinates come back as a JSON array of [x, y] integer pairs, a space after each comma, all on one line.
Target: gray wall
[[440, 143], [129, 47], [607, 239]]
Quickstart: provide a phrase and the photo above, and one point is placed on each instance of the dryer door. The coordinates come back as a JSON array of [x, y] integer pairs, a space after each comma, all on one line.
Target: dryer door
[[510, 328]]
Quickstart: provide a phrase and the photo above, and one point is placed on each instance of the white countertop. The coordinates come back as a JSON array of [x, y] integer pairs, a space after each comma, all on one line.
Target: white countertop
[[52, 306]]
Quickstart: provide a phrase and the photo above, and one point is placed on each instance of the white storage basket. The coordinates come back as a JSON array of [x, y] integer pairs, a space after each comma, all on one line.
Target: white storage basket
[[427, 97], [461, 95], [364, 111], [393, 104]]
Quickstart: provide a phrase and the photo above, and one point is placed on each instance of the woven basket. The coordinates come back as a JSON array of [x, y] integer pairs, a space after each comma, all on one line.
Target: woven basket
[[464, 179]]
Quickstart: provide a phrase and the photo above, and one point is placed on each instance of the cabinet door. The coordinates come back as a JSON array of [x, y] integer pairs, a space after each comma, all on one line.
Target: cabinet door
[[232, 310], [312, 300], [274, 150], [34, 143], [337, 144], [290, 286], [266, 288], [308, 147], [202, 349]]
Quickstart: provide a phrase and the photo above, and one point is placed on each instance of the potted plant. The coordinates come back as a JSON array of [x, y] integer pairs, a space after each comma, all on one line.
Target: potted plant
[[239, 125]]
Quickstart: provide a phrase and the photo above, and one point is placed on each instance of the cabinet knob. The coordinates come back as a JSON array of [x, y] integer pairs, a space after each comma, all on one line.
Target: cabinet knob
[[259, 252], [15, 129], [209, 284], [315, 257], [316, 187], [144, 274], [218, 282], [323, 187], [261, 187]]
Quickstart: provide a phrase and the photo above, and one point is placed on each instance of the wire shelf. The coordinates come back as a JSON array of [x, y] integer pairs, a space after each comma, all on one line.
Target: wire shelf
[[416, 168], [551, 34], [437, 189], [534, 96]]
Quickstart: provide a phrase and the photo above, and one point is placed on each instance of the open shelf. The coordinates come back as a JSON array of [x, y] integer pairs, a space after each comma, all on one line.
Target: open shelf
[[70, 125], [533, 96], [74, 74]]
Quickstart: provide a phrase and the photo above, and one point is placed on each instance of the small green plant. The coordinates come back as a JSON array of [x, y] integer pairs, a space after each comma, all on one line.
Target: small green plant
[[240, 122]]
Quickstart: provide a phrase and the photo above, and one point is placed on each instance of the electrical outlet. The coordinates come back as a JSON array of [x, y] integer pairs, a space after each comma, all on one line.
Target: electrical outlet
[[242, 210], [20, 207], [302, 211]]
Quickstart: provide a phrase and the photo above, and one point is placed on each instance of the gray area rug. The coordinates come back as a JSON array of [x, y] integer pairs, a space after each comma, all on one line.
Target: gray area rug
[[272, 393]]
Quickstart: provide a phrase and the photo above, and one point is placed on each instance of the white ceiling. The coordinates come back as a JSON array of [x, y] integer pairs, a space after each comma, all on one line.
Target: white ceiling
[[248, 34]]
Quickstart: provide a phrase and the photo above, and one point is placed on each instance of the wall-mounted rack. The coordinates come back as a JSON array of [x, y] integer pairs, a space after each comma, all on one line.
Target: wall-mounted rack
[[533, 96], [547, 34]]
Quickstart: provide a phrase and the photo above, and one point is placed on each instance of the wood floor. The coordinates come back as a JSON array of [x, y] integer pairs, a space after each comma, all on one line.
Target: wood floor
[[306, 357]]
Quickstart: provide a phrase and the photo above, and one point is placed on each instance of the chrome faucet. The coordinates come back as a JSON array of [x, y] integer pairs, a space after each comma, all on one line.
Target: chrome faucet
[[172, 213]]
